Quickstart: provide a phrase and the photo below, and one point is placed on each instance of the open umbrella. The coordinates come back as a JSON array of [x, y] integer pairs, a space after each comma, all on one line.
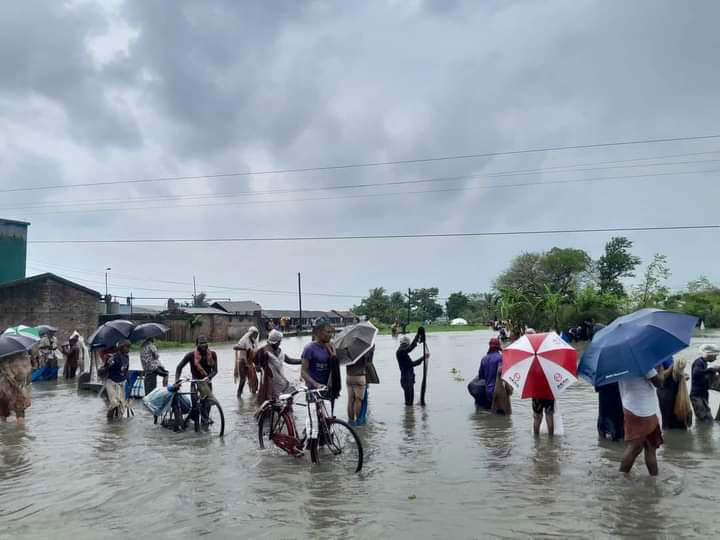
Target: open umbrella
[[539, 365], [354, 341], [46, 328], [108, 334], [634, 344], [14, 344], [148, 330], [22, 330]]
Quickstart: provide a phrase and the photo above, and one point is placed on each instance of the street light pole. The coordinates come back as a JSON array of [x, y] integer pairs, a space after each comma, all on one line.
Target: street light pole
[[106, 280]]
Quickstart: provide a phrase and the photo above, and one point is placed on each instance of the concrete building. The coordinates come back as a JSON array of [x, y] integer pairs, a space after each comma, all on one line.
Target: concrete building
[[49, 299], [13, 250]]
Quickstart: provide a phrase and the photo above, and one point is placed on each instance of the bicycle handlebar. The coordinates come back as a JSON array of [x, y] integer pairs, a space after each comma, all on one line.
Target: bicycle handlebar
[[183, 380]]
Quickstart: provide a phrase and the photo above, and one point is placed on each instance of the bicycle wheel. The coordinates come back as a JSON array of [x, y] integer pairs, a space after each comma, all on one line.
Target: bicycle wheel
[[214, 422], [173, 419], [339, 445], [276, 429]]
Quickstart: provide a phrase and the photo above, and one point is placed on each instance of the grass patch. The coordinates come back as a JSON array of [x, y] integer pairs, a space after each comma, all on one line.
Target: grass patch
[[384, 329]]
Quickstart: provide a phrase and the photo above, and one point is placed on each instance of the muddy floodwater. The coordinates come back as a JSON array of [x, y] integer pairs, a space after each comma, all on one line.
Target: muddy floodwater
[[442, 471]]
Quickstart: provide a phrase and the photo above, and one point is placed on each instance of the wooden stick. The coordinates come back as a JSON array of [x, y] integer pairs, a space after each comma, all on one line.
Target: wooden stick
[[423, 386]]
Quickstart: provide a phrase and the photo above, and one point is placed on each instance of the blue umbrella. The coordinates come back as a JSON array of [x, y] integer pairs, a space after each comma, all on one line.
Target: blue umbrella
[[634, 344]]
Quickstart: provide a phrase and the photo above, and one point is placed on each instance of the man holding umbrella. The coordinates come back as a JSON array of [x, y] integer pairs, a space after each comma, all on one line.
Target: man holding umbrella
[[627, 352]]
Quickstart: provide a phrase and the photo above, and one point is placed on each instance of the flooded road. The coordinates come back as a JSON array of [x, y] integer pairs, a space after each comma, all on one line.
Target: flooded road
[[443, 471]]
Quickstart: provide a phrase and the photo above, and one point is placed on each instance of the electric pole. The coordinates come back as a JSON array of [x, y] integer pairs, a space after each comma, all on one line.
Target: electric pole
[[300, 306]]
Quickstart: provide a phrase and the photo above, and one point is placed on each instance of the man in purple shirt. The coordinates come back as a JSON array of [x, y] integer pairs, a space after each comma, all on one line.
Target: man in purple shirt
[[317, 356], [489, 366]]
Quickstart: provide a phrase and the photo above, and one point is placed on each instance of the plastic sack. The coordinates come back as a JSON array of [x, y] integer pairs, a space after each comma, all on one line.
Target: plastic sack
[[476, 387], [158, 401]]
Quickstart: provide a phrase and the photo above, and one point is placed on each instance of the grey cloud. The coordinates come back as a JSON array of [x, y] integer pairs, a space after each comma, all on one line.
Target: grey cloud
[[43, 51], [315, 84]]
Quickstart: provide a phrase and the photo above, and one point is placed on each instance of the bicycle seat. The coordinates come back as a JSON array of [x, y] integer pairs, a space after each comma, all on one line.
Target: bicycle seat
[[285, 397]]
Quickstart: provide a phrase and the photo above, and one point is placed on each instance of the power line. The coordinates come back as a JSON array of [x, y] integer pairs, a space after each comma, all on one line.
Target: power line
[[387, 194], [497, 174], [378, 236], [364, 165], [209, 288]]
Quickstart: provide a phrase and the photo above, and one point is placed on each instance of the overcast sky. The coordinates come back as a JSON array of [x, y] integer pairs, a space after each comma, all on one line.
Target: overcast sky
[[127, 90]]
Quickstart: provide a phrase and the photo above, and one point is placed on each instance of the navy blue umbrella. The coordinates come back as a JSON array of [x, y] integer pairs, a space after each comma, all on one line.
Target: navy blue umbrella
[[148, 330], [108, 334], [14, 344], [634, 344]]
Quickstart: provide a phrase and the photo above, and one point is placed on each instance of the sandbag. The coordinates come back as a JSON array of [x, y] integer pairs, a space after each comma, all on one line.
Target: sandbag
[[476, 387], [501, 397]]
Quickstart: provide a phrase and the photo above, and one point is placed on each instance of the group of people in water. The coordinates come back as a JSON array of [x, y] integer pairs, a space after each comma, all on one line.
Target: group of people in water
[[636, 409]]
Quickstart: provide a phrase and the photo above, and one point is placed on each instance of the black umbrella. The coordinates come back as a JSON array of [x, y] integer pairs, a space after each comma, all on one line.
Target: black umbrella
[[148, 330], [108, 334], [45, 328], [10, 345]]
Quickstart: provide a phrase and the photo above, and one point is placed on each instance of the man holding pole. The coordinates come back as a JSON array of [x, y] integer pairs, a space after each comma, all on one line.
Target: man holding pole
[[407, 365]]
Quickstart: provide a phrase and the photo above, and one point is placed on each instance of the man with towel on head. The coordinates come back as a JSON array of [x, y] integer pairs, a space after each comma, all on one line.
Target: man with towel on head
[[245, 361]]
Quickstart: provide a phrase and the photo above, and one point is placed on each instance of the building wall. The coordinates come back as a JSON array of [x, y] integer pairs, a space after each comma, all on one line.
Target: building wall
[[49, 302], [13, 251]]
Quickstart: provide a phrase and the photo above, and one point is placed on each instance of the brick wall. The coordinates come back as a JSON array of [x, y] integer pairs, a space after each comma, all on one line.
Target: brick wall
[[49, 302]]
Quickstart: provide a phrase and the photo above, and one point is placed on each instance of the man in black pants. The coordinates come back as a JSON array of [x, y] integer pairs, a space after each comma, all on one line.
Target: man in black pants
[[407, 365], [203, 365]]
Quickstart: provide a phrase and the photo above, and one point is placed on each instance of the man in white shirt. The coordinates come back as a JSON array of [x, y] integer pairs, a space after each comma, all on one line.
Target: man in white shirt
[[642, 428]]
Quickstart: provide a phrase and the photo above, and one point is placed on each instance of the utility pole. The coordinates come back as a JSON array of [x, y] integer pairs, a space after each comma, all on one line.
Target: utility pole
[[106, 280], [408, 313], [194, 290], [300, 306]]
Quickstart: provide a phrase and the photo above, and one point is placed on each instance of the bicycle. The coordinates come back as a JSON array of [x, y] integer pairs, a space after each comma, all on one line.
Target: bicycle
[[205, 413], [329, 439]]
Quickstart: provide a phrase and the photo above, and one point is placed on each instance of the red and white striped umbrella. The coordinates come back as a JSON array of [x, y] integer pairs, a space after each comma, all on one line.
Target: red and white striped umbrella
[[539, 365]]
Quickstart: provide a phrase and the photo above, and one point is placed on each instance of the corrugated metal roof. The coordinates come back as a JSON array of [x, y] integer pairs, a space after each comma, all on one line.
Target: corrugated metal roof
[[204, 311], [240, 306]]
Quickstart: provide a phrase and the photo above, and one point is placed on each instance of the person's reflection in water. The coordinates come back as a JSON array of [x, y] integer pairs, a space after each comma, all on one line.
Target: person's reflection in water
[[332, 502], [14, 461], [495, 433], [634, 507], [408, 445]]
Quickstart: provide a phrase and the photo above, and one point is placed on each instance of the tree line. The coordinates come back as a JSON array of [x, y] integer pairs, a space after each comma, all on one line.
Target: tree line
[[556, 290]]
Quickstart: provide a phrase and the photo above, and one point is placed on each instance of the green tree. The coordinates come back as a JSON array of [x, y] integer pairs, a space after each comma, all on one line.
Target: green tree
[[200, 300], [398, 307], [525, 274], [563, 269], [652, 292], [702, 299], [615, 264], [425, 304], [376, 306], [456, 305]]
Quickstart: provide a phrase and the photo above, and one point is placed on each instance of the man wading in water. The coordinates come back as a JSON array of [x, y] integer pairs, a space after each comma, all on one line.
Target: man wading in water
[[701, 374], [319, 362], [642, 428], [203, 365], [245, 361], [270, 360], [407, 365]]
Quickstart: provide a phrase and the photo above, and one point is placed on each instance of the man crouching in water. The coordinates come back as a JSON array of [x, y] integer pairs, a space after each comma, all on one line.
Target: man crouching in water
[[203, 365]]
